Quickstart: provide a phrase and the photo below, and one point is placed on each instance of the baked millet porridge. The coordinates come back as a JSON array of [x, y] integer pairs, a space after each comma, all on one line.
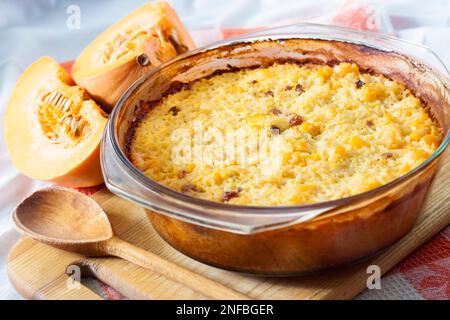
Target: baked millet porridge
[[300, 134]]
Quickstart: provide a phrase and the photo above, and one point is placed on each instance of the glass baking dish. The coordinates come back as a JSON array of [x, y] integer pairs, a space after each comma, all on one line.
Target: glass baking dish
[[282, 240]]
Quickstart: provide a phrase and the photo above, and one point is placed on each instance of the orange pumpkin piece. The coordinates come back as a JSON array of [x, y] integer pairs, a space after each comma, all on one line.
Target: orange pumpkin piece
[[52, 128], [128, 49]]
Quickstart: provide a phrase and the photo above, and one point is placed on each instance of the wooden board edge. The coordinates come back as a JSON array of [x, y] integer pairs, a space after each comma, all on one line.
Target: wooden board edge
[[50, 290]]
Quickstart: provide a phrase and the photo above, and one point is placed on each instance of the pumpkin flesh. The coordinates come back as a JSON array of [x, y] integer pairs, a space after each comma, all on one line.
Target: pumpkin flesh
[[128, 49], [52, 128]]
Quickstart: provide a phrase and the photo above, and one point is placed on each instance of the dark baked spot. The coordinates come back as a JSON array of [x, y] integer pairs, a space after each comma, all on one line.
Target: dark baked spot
[[370, 124], [287, 88], [174, 110], [269, 93], [359, 84], [175, 87], [275, 111], [191, 187], [274, 130], [253, 82], [387, 155], [228, 195], [182, 174], [296, 120], [299, 88]]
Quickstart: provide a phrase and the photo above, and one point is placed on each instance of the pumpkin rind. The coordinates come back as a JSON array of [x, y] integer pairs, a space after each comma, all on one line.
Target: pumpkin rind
[[110, 63], [52, 128]]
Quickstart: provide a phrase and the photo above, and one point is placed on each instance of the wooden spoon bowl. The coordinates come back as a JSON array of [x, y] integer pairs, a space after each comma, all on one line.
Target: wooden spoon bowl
[[61, 216]]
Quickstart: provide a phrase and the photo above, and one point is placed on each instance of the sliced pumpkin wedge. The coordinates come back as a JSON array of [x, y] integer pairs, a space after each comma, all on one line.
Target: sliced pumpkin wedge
[[128, 49], [52, 128]]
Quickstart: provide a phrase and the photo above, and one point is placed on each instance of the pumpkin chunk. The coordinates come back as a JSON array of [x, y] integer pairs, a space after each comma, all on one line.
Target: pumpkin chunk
[[145, 38], [52, 128]]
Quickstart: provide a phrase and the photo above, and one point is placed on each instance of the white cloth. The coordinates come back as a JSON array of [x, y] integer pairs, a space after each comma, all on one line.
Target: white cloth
[[33, 28]]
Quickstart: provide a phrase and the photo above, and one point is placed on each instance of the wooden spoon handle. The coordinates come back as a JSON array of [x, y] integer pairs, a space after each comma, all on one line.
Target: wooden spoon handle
[[122, 249]]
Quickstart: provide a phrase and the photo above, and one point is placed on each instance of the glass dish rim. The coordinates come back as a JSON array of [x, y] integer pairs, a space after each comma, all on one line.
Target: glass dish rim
[[153, 185]]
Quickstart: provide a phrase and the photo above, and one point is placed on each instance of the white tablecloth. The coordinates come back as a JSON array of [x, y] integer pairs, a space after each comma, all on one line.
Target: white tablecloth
[[32, 28]]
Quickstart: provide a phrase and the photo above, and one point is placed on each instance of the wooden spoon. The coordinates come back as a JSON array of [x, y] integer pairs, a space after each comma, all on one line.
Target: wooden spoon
[[72, 221]]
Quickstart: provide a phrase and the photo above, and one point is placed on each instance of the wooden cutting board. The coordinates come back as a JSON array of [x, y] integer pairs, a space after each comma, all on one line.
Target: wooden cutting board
[[38, 271]]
